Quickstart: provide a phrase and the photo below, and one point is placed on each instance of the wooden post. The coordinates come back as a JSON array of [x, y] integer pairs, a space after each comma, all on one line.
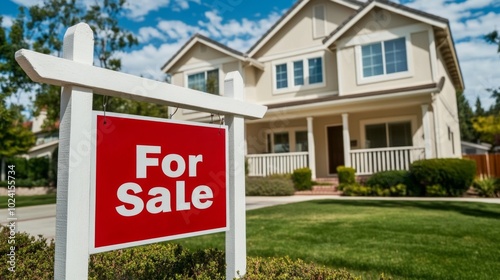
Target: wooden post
[[236, 248], [73, 177]]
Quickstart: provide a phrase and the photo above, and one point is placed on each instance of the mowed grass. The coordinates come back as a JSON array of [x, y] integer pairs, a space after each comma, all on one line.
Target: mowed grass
[[402, 239], [28, 200]]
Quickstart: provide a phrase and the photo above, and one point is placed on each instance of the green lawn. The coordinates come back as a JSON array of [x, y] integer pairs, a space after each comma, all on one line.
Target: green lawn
[[403, 239], [28, 200]]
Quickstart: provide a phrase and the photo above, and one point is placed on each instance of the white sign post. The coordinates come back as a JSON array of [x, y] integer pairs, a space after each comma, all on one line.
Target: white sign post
[[79, 79]]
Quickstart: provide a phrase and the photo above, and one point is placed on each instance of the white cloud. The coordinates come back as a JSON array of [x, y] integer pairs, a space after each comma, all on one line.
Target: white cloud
[[239, 35], [176, 29], [137, 10], [480, 67], [148, 33], [7, 21], [147, 62], [27, 3]]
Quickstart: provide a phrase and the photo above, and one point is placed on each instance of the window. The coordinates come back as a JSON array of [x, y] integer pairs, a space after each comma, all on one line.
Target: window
[[298, 73], [315, 70], [384, 58], [397, 134], [281, 143], [281, 76], [207, 81], [301, 141], [303, 73], [292, 140]]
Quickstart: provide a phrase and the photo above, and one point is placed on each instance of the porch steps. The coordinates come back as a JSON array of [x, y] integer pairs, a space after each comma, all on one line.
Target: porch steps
[[326, 186]]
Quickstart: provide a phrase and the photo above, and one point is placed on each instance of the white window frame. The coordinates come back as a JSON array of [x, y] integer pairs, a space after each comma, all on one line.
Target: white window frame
[[205, 70], [290, 73], [399, 119], [291, 138], [384, 77]]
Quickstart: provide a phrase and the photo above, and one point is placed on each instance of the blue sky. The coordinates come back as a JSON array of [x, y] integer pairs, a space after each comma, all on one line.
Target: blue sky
[[163, 26]]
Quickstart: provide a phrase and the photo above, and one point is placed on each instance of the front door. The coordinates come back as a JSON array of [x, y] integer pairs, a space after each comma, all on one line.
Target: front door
[[335, 148]]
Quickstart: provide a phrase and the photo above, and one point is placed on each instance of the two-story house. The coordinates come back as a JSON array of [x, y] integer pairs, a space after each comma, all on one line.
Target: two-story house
[[368, 85]]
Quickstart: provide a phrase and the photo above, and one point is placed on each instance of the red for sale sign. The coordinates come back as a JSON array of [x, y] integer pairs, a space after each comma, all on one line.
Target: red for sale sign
[[156, 180]]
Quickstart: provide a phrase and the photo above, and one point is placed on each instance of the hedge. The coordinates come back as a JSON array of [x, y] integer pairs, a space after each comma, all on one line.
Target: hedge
[[454, 175], [35, 261]]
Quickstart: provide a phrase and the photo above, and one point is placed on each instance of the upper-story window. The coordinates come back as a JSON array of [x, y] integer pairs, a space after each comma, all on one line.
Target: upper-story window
[[303, 72], [384, 58], [207, 81]]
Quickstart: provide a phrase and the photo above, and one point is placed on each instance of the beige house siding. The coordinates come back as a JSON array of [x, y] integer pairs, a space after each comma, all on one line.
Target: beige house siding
[[449, 130], [419, 68], [297, 34], [265, 92]]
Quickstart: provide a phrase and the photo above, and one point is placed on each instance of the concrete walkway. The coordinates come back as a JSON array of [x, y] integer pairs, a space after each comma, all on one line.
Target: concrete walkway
[[41, 219]]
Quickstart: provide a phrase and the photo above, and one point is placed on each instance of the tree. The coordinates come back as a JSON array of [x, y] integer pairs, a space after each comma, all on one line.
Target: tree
[[46, 26], [495, 94], [493, 38], [15, 137], [465, 116], [489, 128], [479, 111]]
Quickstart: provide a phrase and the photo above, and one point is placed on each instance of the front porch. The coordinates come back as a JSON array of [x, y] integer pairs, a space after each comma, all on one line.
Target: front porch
[[365, 161]]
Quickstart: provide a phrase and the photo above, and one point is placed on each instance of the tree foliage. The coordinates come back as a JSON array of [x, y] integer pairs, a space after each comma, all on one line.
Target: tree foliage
[[15, 137], [465, 116], [45, 25], [489, 128]]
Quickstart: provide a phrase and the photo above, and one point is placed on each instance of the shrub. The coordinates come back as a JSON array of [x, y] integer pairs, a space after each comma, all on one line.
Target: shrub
[[269, 186], [435, 190], [302, 179], [355, 190], [387, 179], [487, 187], [346, 175], [454, 175], [155, 261], [286, 268]]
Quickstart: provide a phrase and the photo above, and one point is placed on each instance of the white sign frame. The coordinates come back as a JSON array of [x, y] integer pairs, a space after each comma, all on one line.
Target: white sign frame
[[92, 248]]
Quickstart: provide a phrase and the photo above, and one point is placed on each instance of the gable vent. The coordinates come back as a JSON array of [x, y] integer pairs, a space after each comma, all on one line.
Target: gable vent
[[319, 21]]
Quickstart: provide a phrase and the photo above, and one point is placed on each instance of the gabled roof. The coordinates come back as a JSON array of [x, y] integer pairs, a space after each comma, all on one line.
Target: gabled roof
[[288, 16], [198, 38], [433, 20]]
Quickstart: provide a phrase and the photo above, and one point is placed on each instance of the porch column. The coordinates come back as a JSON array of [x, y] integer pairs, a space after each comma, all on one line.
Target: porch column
[[427, 130], [347, 140], [311, 150], [437, 131]]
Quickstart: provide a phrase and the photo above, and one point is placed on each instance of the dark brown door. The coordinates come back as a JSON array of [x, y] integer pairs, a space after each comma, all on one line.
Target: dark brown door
[[335, 148]]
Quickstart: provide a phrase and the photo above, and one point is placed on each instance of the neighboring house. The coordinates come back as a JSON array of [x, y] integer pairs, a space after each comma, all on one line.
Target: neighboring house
[[367, 85], [46, 141]]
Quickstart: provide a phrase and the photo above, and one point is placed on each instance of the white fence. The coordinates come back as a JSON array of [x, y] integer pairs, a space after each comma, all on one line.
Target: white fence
[[279, 163], [369, 161]]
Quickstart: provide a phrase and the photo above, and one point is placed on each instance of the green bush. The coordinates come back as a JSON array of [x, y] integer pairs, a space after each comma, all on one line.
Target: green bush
[[346, 175], [35, 261], [286, 268], [487, 187], [454, 175], [435, 190], [269, 186], [355, 190], [302, 179], [387, 179]]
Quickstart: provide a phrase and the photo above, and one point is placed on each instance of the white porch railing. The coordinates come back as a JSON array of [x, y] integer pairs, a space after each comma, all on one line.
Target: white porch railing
[[279, 163], [369, 161]]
